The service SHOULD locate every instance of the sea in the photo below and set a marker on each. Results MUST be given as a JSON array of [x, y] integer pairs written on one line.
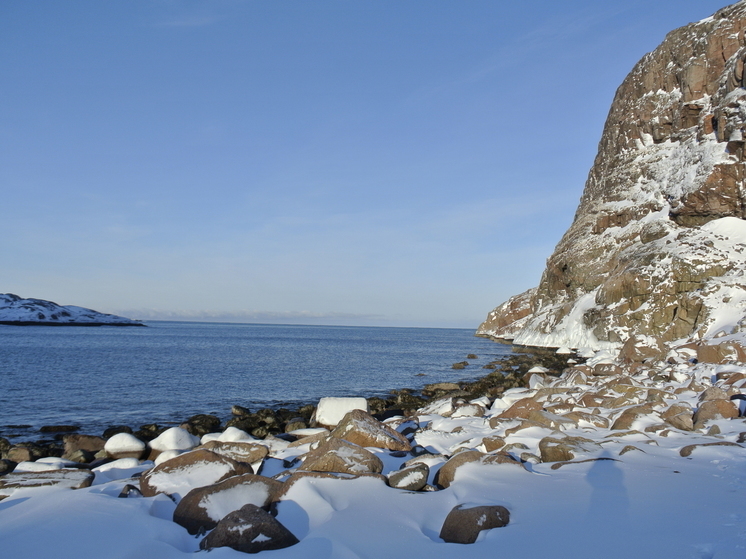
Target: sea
[[96, 377]]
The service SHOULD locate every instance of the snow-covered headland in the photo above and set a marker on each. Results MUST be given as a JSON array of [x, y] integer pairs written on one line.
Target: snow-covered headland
[[635, 457], [15, 310]]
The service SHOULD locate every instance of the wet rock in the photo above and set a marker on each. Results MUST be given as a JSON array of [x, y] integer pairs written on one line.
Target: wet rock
[[203, 507], [59, 428], [6, 466], [463, 523], [202, 424], [116, 429], [250, 530], [86, 443], [460, 365]]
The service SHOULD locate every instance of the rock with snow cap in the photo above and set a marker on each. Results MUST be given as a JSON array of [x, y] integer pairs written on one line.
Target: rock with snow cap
[[124, 445], [68, 478], [337, 455], [203, 507], [330, 411], [250, 453], [187, 471], [361, 428], [250, 530]]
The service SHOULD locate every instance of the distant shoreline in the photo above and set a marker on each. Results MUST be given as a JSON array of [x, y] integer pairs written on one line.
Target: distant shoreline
[[39, 323]]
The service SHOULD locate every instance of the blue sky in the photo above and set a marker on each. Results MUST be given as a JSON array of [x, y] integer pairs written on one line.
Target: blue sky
[[407, 163]]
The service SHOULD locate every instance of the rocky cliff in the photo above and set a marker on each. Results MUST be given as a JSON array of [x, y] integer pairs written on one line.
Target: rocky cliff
[[658, 243]]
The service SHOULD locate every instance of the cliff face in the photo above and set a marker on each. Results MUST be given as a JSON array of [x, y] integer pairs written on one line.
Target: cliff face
[[658, 242]]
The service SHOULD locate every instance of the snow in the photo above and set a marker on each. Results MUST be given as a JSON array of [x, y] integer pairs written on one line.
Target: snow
[[124, 442], [330, 411], [625, 494], [16, 309], [174, 438]]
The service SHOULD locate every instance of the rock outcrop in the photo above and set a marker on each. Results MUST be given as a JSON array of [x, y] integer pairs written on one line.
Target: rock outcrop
[[658, 243], [15, 310]]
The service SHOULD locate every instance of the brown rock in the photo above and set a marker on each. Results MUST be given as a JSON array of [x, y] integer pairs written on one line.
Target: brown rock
[[552, 421], [629, 416], [87, 443], [412, 478], [361, 428], [714, 409], [462, 525], [249, 453], [197, 468], [250, 530], [607, 370], [521, 409], [493, 443], [687, 450], [553, 449], [596, 420], [203, 507], [337, 455], [641, 349]]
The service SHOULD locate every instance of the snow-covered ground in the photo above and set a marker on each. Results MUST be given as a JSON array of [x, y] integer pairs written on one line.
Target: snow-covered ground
[[15, 309], [635, 486]]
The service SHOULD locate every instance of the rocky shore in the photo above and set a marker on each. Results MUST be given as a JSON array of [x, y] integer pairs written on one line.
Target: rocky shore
[[277, 479]]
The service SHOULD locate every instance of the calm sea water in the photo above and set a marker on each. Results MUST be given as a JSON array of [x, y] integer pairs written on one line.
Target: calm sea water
[[97, 377]]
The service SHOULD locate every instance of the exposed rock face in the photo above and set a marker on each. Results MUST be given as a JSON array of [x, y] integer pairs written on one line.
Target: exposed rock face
[[658, 242]]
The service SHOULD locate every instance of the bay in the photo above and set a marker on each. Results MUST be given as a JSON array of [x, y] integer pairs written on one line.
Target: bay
[[97, 377]]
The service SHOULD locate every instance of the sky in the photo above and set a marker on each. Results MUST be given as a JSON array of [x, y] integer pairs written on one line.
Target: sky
[[367, 162]]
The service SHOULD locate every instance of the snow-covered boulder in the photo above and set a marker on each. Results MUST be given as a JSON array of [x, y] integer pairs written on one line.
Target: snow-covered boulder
[[124, 445], [331, 410]]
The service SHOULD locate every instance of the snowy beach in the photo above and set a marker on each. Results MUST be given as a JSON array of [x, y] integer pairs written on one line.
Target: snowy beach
[[587, 463]]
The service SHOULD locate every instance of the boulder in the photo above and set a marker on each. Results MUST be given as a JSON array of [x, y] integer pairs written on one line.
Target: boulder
[[185, 472], [250, 530], [250, 453], [447, 472], [201, 424], [87, 443], [174, 438], [337, 455], [330, 411], [72, 479], [680, 416], [629, 416], [463, 523], [361, 428], [520, 409], [553, 449], [203, 507], [714, 409], [412, 478], [551, 421], [124, 445]]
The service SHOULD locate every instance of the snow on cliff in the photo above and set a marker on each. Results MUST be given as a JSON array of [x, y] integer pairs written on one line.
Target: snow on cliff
[[657, 244], [14, 309]]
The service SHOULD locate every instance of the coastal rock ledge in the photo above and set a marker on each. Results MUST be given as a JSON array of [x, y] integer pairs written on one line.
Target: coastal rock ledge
[[17, 311], [658, 244]]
